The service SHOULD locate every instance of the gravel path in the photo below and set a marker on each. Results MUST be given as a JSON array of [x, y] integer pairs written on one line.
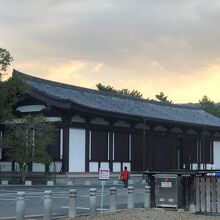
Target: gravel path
[[143, 214]]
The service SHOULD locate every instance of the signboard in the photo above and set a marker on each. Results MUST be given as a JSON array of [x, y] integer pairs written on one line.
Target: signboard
[[166, 184], [104, 174]]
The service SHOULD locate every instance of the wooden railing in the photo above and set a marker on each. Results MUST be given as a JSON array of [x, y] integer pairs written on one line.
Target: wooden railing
[[207, 194]]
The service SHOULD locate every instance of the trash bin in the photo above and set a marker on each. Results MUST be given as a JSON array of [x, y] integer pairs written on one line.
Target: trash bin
[[168, 190]]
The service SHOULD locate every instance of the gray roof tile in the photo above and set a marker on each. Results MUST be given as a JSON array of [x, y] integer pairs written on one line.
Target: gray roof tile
[[109, 102]]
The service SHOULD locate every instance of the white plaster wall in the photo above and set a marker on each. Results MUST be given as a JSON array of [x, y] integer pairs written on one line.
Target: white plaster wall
[[104, 165], [216, 149], [93, 166], [38, 167], [77, 118], [57, 167], [31, 108], [77, 150], [128, 165], [99, 121], [53, 119], [116, 167], [6, 166]]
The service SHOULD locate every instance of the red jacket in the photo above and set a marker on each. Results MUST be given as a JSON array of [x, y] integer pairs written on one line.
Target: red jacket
[[125, 174]]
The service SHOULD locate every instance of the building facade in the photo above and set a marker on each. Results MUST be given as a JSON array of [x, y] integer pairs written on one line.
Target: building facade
[[99, 129]]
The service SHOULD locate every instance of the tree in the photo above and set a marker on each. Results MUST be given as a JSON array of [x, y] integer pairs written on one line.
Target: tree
[[26, 141], [125, 92], [162, 98], [209, 106], [11, 90], [5, 61]]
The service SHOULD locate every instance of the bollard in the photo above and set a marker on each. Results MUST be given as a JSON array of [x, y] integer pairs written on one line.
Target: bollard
[[92, 201], [113, 199], [192, 208], [130, 197], [20, 206], [72, 203], [47, 204], [147, 197]]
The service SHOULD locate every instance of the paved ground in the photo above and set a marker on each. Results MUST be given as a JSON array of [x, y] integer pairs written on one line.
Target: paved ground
[[34, 199]]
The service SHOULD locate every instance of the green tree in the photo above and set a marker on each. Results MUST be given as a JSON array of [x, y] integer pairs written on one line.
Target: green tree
[[162, 98], [26, 141], [11, 90], [125, 92], [209, 106], [5, 61]]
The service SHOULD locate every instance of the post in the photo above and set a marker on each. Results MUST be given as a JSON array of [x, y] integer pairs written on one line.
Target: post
[[72, 203], [20, 206], [113, 199], [130, 204], [92, 201], [47, 204], [147, 197], [102, 196], [192, 197]]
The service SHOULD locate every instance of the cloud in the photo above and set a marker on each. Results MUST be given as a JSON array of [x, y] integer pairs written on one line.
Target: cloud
[[97, 67], [148, 45]]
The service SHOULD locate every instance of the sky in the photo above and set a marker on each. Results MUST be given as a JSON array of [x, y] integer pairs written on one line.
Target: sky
[[149, 45]]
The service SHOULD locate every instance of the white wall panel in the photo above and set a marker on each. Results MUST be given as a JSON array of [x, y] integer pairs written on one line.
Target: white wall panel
[[216, 149], [77, 118], [116, 167], [6, 166], [93, 166], [128, 165], [77, 150], [31, 108], [104, 165], [38, 167], [53, 119], [57, 167]]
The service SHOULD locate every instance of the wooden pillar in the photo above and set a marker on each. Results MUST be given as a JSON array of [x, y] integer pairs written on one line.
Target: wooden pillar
[[211, 147], [87, 149], [144, 147], [199, 152], [211, 151], [87, 142], [111, 151], [179, 152], [13, 166], [30, 166], [65, 162], [111, 124]]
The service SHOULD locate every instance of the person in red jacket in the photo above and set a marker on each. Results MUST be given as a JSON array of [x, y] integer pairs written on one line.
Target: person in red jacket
[[125, 174]]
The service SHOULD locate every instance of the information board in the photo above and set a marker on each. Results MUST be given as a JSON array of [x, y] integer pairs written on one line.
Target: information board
[[104, 174]]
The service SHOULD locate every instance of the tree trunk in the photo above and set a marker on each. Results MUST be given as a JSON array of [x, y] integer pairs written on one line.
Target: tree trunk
[[23, 171]]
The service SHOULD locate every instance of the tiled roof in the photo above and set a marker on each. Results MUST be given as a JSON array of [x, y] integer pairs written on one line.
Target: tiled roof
[[118, 104]]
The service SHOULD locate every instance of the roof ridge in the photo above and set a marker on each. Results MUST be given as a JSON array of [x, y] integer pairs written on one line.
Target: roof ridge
[[19, 74]]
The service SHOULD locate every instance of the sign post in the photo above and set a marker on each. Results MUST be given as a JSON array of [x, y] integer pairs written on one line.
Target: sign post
[[103, 175]]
